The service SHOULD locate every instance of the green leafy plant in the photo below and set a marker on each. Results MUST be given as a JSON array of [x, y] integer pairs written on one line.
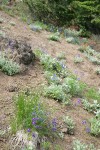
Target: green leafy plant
[[52, 64], [77, 145], [73, 86], [95, 126], [8, 66], [71, 33], [78, 59], [55, 37], [61, 56], [52, 78], [56, 92], [70, 125], [36, 28], [91, 107], [46, 145], [73, 40], [92, 93]]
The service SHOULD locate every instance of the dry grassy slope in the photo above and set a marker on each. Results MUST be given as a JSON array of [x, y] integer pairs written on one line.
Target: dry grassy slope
[[34, 77]]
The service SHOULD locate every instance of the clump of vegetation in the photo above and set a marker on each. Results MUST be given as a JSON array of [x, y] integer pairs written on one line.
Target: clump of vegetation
[[2, 34], [56, 92], [71, 33], [78, 59], [91, 107], [73, 40], [95, 126], [46, 145], [54, 37], [52, 78], [31, 115], [8, 66], [70, 125], [73, 86], [36, 28], [92, 93], [52, 64], [61, 56], [91, 54], [77, 145]]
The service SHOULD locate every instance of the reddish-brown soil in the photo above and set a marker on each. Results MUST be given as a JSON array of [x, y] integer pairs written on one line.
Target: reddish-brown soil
[[34, 78]]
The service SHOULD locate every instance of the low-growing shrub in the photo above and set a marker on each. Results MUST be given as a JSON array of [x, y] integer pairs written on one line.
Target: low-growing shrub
[[71, 33], [52, 64], [95, 126], [91, 107], [52, 78], [73, 86], [70, 125], [8, 66], [54, 37], [92, 93], [78, 59], [61, 56], [77, 145], [36, 28], [73, 40], [56, 92]]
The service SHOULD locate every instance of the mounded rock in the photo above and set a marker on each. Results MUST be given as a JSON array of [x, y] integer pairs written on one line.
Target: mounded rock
[[22, 52]]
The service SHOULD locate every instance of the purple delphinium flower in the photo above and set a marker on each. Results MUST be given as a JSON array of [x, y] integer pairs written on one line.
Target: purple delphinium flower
[[28, 130], [88, 130], [78, 78], [84, 122], [54, 121], [35, 119], [34, 122], [33, 135], [54, 129], [38, 127], [54, 124], [79, 101]]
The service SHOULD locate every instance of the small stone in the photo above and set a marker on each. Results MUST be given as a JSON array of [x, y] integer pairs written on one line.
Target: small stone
[[64, 130], [13, 88]]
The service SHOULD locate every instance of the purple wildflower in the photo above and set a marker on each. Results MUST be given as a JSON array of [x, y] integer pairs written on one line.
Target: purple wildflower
[[54, 121], [35, 119], [88, 130], [38, 127], [79, 101], [54, 129], [34, 122], [84, 122], [28, 130], [33, 135]]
